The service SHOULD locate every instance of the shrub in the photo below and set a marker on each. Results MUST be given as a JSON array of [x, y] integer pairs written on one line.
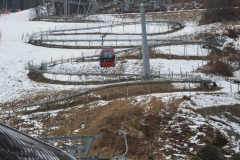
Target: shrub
[[150, 157], [232, 32], [186, 98], [230, 50], [218, 67], [217, 11], [210, 152], [146, 130]]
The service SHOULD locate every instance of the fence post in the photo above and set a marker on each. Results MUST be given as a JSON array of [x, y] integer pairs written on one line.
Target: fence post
[[230, 87], [107, 93]]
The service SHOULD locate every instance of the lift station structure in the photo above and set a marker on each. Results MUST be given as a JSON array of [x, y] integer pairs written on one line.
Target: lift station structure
[[66, 8], [153, 4]]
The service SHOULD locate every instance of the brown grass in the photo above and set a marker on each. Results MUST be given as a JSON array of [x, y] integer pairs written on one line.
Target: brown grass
[[144, 123], [107, 94], [171, 16], [218, 67], [38, 77]]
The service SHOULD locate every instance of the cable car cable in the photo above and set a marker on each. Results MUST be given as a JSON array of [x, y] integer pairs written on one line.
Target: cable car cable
[[125, 116]]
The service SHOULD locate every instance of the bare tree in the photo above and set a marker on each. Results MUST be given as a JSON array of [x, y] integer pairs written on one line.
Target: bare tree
[[217, 11]]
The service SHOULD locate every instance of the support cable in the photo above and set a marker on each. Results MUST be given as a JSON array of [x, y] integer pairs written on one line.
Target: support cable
[[124, 120]]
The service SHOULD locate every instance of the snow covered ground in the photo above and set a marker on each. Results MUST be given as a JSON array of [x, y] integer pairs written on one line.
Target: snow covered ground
[[15, 53]]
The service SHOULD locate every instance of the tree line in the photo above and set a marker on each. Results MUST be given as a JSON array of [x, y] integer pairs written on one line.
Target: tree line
[[220, 11], [216, 10], [18, 4]]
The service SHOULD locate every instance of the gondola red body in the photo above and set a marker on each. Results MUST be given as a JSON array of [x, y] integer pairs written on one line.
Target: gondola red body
[[107, 58]]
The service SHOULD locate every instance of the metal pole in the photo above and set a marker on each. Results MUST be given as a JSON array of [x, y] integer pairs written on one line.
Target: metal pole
[[54, 9], [65, 8], [107, 93], [230, 87], [103, 39], [146, 65], [68, 5], [6, 4]]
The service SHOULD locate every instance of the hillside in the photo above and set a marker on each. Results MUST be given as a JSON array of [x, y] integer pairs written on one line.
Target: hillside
[[187, 121]]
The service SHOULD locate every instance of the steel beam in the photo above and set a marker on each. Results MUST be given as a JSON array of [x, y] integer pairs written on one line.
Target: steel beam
[[145, 54]]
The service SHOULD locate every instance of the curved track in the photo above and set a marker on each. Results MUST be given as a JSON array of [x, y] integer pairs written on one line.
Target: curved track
[[137, 82], [91, 37], [50, 38]]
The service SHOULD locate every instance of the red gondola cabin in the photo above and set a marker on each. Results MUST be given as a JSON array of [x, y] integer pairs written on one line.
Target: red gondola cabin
[[107, 58]]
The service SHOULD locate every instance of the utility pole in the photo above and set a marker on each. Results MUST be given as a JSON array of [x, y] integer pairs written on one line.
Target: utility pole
[[146, 65], [6, 4], [103, 36]]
